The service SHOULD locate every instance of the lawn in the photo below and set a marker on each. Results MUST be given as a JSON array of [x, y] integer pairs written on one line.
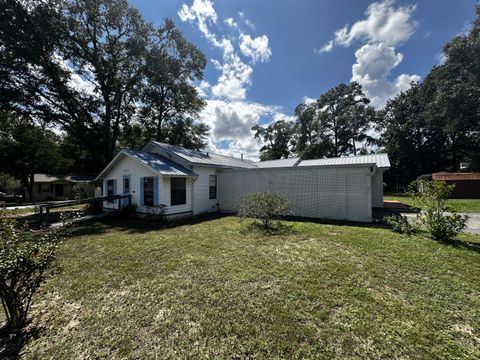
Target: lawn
[[460, 205], [129, 289]]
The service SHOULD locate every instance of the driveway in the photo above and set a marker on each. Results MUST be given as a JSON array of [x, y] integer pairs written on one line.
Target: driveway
[[473, 222]]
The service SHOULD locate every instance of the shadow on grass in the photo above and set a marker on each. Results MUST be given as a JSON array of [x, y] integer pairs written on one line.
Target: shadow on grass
[[277, 228], [11, 345], [131, 225], [462, 244]]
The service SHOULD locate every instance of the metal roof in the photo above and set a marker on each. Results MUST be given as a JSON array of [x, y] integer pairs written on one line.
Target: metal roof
[[159, 164], [277, 163], [70, 178], [380, 160], [205, 158], [455, 176]]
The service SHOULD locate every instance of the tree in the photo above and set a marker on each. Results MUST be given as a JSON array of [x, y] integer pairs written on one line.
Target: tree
[[335, 124], [277, 137], [26, 149], [413, 144], [9, 183], [91, 67], [170, 99]]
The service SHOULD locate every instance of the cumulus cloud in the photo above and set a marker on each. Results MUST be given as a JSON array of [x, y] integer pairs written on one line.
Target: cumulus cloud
[[372, 69], [384, 23], [228, 112], [325, 48], [231, 123], [255, 48]]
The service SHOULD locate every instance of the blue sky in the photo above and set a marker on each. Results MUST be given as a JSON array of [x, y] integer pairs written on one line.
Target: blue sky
[[265, 57]]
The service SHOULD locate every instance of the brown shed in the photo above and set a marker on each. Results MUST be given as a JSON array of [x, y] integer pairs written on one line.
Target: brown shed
[[467, 185]]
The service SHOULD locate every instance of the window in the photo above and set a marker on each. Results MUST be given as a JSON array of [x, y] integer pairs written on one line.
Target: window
[[212, 187], [110, 187], [148, 191], [126, 185], [43, 188], [178, 191]]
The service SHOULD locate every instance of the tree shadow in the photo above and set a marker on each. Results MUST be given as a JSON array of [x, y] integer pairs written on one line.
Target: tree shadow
[[276, 229], [462, 244], [11, 345]]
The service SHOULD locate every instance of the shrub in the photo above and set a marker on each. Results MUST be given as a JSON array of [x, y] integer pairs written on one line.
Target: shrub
[[400, 224], [441, 221], [25, 258], [265, 207]]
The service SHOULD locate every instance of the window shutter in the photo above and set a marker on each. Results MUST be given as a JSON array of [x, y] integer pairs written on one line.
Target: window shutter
[[141, 191], [155, 191], [104, 187], [115, 187]]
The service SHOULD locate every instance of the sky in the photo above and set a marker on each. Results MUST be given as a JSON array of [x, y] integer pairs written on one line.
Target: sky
[[266, 57]]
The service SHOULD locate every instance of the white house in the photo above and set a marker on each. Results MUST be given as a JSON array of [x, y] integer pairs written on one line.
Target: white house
[[188, 182]]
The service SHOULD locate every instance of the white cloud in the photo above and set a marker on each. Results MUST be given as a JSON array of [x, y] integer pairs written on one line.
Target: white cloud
[[202, 12], [372, 69], [325, 48], [228, 112], [231, 122], [384, 23], [234, 79], [231, 23], [308, 100], [255, 48]]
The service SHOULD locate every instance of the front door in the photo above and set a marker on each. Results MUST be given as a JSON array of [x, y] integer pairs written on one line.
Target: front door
[[58, 190]]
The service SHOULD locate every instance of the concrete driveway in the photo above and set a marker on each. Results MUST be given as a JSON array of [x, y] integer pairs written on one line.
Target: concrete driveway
[[473, 222]]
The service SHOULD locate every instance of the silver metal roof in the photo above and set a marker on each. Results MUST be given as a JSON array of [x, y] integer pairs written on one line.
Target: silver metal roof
[[70, 178], [277, 163], [159, 164], [204, 158], [381, 161]]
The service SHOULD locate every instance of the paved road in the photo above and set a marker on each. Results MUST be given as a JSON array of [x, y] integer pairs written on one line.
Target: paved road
[[473, 222]]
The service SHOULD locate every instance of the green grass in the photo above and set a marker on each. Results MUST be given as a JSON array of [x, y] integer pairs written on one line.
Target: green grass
[[460, 205], [129, 289]]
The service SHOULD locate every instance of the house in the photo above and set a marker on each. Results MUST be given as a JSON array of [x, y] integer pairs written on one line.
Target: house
[[467, 184], [60, 187], [178, 181]]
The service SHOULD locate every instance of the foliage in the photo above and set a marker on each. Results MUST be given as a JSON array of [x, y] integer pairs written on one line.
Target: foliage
[[277, 137], [26, 149], [94, 67], [9, 183], [435, 125], [335, 124], [25, 259], [82, 190], [265, 207], [401, 225], [441, 221]]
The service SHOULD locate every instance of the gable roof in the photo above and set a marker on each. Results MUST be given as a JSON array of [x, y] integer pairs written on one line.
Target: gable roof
[[70, 177], [152, 161], [205, 158]]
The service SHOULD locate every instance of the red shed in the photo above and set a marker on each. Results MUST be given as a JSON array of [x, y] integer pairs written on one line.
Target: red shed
[[467, 185]]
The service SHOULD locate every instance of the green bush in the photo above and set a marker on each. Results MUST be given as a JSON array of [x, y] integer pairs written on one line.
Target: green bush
[[25, 258], [442, 222], [265, 207], [400, 224]]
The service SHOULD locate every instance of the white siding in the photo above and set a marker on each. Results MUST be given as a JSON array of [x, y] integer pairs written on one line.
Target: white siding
[[201, 191], [377, 189], [136, 171], [342, 193], [165, 196]]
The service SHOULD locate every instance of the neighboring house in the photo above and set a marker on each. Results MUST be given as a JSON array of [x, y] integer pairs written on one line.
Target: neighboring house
[[186, 182], [60, 187], [467, 185]]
